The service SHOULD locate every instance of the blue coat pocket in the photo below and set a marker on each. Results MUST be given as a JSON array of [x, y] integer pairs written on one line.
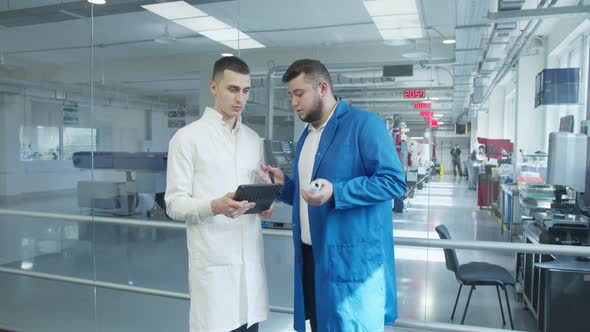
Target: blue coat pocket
[[354, 262]]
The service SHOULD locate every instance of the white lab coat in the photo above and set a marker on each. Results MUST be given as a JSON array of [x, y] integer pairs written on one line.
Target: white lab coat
[[227, 278]]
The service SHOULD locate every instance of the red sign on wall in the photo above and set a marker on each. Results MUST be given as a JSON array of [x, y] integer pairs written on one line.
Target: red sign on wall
[[421, 105], [414, 94]]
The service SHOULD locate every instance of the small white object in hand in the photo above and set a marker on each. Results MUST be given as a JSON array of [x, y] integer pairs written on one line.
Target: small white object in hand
[[314, 187]]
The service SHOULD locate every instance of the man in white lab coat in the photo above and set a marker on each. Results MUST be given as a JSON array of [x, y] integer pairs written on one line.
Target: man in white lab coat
[[207, 159]]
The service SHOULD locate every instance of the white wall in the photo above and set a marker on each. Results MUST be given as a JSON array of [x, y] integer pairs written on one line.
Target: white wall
[[124, 126], [530, 121], [483, 124], [19, 177], [496, 114], [491, 123]]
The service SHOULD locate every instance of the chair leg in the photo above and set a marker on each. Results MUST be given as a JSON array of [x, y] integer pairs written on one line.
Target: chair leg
[[508, 306], [501, 309], [467, 304], [456, 301]]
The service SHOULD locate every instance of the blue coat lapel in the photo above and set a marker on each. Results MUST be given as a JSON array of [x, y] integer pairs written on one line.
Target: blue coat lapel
[[328, 137]]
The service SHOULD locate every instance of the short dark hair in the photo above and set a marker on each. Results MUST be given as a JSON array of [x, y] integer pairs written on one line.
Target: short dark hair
[[232, 63], [315, 72]]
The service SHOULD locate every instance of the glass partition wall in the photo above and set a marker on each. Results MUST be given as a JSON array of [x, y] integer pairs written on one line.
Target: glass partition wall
[[91, 94]]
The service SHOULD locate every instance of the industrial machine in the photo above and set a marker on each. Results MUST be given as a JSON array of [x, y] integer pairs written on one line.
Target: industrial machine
[[280, 154], [556, 287]]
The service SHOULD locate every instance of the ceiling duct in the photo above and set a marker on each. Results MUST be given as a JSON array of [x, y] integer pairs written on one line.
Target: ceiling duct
[[478, 88], [468, 51], [505, 5], [501, 38]]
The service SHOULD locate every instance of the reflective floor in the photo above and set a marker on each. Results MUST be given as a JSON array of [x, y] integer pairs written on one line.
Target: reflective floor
[[153, 258]]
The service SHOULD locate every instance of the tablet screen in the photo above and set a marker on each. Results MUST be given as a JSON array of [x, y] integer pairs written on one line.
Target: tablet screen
[[261, 194]]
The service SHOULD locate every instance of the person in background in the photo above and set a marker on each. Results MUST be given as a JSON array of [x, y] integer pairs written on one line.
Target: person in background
[[207, 159], [476, 159], [342, 232], [456, 158]]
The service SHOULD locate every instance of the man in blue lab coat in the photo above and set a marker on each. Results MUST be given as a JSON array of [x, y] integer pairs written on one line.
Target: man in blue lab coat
[[343, 232]]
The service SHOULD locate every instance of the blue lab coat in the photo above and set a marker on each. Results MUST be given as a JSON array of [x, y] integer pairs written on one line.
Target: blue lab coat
[[352, 236]]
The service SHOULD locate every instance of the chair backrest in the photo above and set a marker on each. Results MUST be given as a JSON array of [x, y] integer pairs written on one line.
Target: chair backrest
[[450, 255]]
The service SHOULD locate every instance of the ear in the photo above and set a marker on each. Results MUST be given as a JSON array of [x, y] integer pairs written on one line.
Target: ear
[[213, 88], [324, 87]]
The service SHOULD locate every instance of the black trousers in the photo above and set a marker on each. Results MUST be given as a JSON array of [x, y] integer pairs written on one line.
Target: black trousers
[[309, 286], [243, 328], [457, 164]]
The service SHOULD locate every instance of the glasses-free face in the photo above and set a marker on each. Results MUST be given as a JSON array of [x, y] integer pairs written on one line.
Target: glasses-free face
[[231, 92], [306, 98]]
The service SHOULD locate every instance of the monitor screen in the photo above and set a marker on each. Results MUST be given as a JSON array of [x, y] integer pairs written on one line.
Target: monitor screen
[[277, 146], [398, 70], [566, 124], [460, 129]]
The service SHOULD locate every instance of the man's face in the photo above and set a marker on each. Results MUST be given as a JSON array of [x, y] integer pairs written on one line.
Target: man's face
[[305, 99], [231, 91], [482, 150]]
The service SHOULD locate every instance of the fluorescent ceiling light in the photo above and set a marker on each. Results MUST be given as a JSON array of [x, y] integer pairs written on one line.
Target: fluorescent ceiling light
[[205, 23], [405, 33], [399, 42], [242, 44], [174, 10], [192, 18], [225, 34], [434, 98], [390, 7], [397, 21], [449, 41], [437, 116], [97, 2], [440, 123], [227, 54]]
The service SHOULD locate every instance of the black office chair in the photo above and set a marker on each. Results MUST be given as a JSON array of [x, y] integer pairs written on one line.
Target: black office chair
[[477, 274]]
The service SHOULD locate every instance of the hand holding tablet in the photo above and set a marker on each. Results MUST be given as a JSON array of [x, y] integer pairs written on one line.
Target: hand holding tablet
[[261, 194]]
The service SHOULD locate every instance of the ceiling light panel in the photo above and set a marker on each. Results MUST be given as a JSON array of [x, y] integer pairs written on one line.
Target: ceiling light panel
[[192, 18], [243, 44], [206, 23], [225, 34], [390, 7], [397, 21], [174, 10]]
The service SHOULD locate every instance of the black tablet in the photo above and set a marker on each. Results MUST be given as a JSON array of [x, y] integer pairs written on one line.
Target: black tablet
[[261, 194]]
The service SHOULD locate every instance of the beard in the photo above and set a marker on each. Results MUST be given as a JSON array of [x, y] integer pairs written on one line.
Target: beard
[[315, 113]]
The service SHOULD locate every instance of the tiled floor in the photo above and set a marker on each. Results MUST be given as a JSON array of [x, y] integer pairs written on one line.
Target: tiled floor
[[157, 259]]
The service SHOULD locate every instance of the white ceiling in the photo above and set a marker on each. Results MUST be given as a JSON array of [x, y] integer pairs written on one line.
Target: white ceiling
[[310, 25]]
